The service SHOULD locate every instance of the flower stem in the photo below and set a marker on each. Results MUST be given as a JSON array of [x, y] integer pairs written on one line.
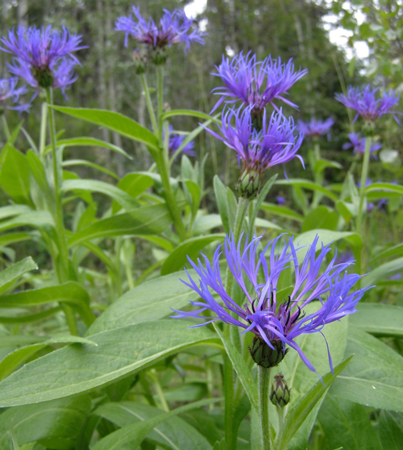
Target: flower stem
[[149, 103], [63, 272], [162, 165], [263, 390], [42, 136], [5, 126], [160, 83], [364, 176], [318, 176]]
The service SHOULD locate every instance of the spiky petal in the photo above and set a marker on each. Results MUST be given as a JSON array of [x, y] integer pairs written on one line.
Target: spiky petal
[[176, 140], [10, 95], [366, 103], [357, 142], [271, 319], [256, 83], [315, 127]]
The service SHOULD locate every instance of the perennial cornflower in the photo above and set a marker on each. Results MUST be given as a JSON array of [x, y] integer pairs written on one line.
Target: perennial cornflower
[[276, 143], [173, 28], [43, 57], [315, 127], [10, 95], [280, 200], [365, 102], [255, 83], [358, 144], [176, 140], [275, 322]]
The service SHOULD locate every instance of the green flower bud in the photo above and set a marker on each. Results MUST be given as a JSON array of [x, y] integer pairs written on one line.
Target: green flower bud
[[249, 184], [265, 356], [140, 62], [158, 56], [44, 77], [369, 128], [280, 394]]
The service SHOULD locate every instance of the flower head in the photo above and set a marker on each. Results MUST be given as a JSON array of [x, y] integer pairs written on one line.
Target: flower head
[[280, 200], [315, 127], [173, 28], [276, 322], [255, 83], [10, 94], [276, 143], [43, 57], [176, 140], [365, 102], [358, 144]]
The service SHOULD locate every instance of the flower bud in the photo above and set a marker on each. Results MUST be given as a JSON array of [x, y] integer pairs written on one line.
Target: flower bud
[[158, 56], [280, 394], [249, 184], [139, 61], [265, 356]]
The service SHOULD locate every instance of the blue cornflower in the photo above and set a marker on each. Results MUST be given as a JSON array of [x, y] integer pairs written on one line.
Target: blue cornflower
[[358, 143], [280, 200], [365, 102], [10, 94], [275, 322], [276, 143], [176, 140], [255, 83], [173, 28], [315, 127], [43, 57]]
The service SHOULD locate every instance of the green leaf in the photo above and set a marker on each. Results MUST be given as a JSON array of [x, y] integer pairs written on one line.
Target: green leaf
[[10, 275], [186, 112], [15, 175], [173, 432], [396, 250], [70, 292], [383, 272], [88, 142], [135, 433], [346, 210], [391, 430], [121, 197], [119, 353], [193, 195], [83, 162], [241, 369], [321, 217], [282, 211], [189, 248], [56, 424], [10, 238], [308, 185], [135, 306], [145, 220], [42, 220], [374, 377], [327, 237], [134, 184], [384, 187], [322, 164], [19, 356], [297, 415], [221, 198], [113, 121], [205, 223], [302, 379], [347, 424], [13, 210], [378, 319]]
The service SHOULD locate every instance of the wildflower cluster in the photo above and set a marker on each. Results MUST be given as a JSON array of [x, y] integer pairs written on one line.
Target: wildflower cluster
[[173, 28], [43, 57], [275, 322]]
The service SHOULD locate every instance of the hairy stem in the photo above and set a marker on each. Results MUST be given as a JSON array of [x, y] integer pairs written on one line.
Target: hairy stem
[[364, 176], [263, 389], [149, 103], [63, 272]]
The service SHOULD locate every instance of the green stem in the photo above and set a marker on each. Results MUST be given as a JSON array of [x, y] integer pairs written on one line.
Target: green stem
[[58, 216], [318, 176], [364, 176], [5, 126], [42, 136], [280, 414], [230, 436], [149, 103], [160, 87], [158, 390], [263, 390], [162, 165]]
